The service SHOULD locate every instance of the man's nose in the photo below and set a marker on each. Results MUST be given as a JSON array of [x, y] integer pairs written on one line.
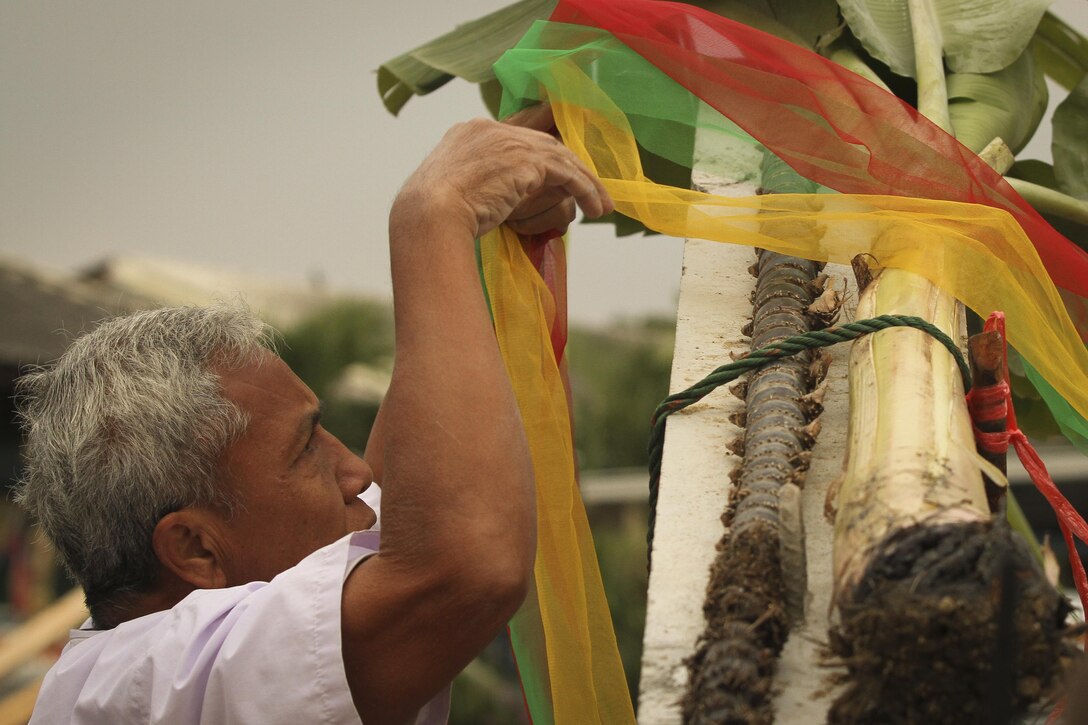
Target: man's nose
[[353, 474]]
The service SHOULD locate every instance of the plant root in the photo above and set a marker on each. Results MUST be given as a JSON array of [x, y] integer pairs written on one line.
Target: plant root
[[950, 623]]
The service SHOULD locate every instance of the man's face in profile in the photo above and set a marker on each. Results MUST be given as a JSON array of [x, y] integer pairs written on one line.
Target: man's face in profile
[[296, 483]]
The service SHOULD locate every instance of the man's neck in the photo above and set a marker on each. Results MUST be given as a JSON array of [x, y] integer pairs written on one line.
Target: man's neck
[[167, 592]]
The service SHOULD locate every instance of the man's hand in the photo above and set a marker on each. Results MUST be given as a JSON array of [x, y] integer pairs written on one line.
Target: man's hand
[[550, 210], [484, 173]]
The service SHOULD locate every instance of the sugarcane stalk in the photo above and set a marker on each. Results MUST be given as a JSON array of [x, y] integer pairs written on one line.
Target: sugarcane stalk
[[757, 581]]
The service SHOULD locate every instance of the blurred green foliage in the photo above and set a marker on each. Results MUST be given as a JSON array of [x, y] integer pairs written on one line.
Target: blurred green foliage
[[619, 536], [618, 376], [323, 345], [344, 332], [488, 691]]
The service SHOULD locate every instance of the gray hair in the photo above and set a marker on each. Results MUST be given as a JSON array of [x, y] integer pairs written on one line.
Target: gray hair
[[126, 426]]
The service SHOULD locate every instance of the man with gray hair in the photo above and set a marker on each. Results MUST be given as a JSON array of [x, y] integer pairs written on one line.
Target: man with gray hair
[[230, 563]]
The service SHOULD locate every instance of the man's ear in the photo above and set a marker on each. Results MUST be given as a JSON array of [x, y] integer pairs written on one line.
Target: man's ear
[[187, 545]]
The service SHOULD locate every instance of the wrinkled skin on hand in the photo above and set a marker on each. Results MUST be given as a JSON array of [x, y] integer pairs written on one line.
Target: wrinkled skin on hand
[[484, 172]]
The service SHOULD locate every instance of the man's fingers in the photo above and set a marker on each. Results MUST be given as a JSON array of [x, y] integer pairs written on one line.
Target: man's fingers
[[607, 204], [568, 172], [564, 168], [538, 118], [540, 201], [557, 217], [514, 172]]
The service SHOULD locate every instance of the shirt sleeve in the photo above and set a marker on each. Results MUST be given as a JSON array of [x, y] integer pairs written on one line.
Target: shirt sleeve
[[260, 653]]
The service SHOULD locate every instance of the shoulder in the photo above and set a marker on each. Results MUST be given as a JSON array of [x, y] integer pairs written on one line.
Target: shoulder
[[181, 665]]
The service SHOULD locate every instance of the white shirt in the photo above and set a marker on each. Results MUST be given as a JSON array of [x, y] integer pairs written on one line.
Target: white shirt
[[265, 652]]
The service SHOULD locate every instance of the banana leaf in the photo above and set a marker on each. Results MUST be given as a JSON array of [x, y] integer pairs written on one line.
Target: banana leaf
[[1070, 142], [1042, 173], [977, 37], [1035, 171], [802, 22], [1009, 103], [1061, 51], [471, 49], [468, 52]]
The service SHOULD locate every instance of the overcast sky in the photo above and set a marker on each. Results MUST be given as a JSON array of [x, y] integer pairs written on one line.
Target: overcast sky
[[249, 135]]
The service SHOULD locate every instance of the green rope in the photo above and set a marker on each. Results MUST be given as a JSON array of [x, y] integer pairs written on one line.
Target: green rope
[[758, 358]]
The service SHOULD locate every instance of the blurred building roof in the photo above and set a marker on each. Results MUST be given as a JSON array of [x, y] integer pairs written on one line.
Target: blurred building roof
[[181, 283], [43, 312]]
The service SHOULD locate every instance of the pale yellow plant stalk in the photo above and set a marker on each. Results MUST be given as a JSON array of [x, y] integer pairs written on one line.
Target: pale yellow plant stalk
[[910, 452]]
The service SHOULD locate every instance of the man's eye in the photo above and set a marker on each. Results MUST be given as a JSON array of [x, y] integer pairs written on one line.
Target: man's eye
[[311, 444]]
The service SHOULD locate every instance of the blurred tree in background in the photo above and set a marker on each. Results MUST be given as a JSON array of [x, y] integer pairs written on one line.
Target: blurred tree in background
[[325, 349], [618, 376]]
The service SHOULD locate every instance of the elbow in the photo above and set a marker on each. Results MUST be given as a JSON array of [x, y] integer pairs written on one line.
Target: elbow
[[504, 575], [500, 547], [496, 579], [509, 588]]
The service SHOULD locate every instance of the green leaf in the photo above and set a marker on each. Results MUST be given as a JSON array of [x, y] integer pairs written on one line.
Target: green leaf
[[846, 51], [468, 52], [802, 22], [1071, 230], [977, 37], [661, 170], [1067, 214], [1070, 144], [1009, 103], [1061, 51], [491, 94], [1035, 171], [777, 177]]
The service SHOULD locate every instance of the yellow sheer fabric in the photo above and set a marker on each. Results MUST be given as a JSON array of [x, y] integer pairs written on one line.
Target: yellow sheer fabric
[[584, 675], [977, 253]]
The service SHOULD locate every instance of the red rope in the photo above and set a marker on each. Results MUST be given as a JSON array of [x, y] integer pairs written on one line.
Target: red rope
[[985, 402], [988, 404]]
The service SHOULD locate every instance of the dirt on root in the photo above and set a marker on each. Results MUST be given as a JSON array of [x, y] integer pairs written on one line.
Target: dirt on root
[[949, 624], [732, 670]]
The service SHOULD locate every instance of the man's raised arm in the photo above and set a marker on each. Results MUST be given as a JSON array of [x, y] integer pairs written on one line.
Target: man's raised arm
[[458, 515]]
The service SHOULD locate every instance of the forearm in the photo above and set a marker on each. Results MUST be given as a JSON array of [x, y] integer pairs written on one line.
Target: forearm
[[455, 458]]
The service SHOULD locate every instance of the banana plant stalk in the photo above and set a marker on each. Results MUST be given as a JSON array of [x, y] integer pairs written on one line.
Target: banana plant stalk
[[910, 455], [1051, 201], [918, 554], [909, 422]]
